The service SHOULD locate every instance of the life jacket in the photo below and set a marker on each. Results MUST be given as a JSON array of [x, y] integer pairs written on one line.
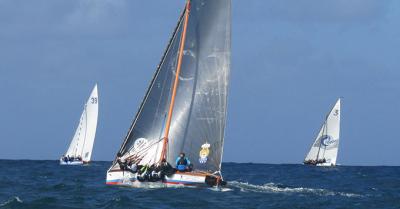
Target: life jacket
[[182, 161]]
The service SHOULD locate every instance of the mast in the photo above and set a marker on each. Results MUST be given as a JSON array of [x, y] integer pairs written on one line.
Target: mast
[[326, 135], [84, 140], [320, 141], [176, 82]]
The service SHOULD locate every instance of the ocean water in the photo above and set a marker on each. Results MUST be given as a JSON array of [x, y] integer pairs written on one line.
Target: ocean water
[[45, 184]]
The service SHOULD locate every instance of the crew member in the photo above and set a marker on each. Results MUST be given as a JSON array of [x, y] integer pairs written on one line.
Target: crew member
[[182, 163], [121, 162]]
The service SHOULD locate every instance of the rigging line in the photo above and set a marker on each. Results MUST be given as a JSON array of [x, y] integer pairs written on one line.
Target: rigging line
[[226, 81], [320, 139], [75, 150], [324, 130], [326, 134], [138, 157], [142, 150], [84, 140], [176, 82], [148, 145], [160, 136], [326, 127], [315, 142]]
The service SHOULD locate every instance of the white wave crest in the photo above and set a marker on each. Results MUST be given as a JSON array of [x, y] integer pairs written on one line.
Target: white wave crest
[[273, 188], [15, 198], [220, 189]]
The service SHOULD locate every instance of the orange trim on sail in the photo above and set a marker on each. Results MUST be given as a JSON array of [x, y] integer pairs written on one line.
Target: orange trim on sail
[[176, 82]]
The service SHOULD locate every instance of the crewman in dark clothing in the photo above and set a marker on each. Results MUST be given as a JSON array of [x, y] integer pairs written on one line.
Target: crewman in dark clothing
[[122, 163], [165, 169]]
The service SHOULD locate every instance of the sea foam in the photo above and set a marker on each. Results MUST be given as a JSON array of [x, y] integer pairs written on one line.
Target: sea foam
[[274, 188], [14, 199]]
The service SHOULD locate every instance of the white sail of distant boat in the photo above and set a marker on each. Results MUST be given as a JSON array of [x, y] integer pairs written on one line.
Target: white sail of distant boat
[[80, 148], [184, 109], [324, 150]]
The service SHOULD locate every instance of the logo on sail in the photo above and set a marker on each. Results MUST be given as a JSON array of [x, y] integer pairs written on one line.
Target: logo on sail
[[327, 140], [139, 143], [204, 152]]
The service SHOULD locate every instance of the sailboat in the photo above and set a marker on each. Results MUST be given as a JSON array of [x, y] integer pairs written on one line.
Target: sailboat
[[324, 150], [184, 109], [80, 150]]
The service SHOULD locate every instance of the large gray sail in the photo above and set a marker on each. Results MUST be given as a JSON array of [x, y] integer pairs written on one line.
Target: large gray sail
[[199, 117], [199, 111]]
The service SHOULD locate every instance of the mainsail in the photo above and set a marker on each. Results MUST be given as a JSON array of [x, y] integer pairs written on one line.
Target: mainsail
[[82, 142], [200, 101], [326, 144]]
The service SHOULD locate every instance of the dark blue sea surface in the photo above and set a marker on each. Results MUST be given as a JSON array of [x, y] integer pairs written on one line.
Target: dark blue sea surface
[[45, 184]]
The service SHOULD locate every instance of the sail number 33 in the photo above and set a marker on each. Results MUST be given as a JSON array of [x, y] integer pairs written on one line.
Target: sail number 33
[[94, 100]]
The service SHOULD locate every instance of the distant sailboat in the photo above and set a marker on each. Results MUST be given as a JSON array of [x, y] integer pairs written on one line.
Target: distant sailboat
[[324, 150], [184, 109], [80, 149]]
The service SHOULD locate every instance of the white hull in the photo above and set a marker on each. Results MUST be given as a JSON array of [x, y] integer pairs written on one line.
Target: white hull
[[71, 163], [325, 165], [187, 179]]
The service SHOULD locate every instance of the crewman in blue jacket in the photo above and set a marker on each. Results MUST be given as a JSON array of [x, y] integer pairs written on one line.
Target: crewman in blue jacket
[[183, 163]]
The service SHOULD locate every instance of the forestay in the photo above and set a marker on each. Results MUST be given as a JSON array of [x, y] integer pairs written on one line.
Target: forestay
[[199, 114], [326, 143]]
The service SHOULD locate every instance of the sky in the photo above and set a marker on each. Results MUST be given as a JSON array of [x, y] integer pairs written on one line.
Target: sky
[[290, 61]]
